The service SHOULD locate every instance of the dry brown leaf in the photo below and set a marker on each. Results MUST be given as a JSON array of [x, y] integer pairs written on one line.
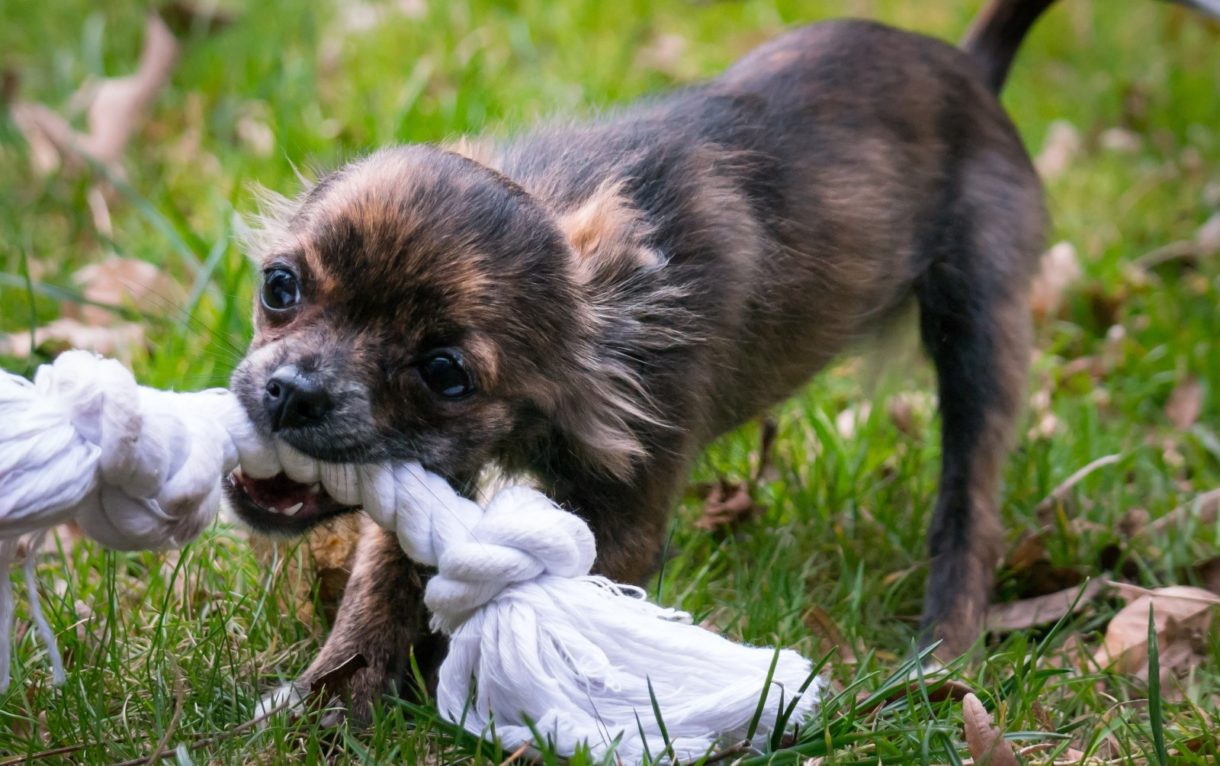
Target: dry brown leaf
[[1029, 551], [1185, 403], [1208, 573], [983, 737], [1208, 236], [936, 686], [1061, 147], [1041, 610], [185, 17], [1180, 614], [359, 17], [118, 106], [121, 103], [1060, 493], [1058, 269], [909, 411], [1202, 509], [126, 282], [847, 421], [1120, 140], [821, 624], [330, 546], [1133, 522], [1205, 243], [1067, 757], [726, 504], [666, 53], [60, 335], [1029, 571]]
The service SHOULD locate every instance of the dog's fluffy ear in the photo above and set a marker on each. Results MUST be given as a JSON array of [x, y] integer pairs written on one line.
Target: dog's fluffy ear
[[258, 233], [607, 235], [609, 408]]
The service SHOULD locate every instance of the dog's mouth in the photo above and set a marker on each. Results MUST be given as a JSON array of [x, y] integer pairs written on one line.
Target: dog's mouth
[[280, 504]]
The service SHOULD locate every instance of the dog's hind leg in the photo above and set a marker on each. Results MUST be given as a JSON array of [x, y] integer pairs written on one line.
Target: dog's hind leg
[[975, 324]]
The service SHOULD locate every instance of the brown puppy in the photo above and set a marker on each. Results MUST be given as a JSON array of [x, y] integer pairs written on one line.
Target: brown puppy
[[592, 305]]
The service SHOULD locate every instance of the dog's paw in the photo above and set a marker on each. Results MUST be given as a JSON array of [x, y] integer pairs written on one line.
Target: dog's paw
[[287, 699]]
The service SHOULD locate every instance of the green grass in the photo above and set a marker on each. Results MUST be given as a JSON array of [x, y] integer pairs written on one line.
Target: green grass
[[180, 646]]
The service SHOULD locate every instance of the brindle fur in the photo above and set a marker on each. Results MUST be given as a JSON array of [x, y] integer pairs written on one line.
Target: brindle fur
[[629, 289]]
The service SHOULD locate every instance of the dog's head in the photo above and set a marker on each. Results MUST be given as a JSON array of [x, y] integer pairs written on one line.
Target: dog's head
[[417, 305]]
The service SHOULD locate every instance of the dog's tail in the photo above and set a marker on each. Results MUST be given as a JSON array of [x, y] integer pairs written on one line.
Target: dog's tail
[[997, 32]]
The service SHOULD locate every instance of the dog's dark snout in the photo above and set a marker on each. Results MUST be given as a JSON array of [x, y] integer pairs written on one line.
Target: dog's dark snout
[[294, 399]]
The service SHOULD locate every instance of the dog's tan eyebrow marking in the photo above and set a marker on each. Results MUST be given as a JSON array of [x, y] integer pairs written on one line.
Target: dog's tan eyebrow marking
[[483, 351], [283, 258]]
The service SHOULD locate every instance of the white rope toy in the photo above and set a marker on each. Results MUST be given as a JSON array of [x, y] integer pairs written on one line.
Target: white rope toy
[[533, 637]]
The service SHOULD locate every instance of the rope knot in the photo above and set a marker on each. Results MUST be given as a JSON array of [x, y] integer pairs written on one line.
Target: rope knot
[[136, 467], [521, 537]]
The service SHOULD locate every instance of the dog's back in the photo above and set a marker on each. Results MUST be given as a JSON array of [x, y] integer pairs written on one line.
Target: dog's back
[[798, 197]]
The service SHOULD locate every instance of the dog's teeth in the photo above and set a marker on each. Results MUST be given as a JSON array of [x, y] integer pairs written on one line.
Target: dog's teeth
[[292, 509], [315, 488]]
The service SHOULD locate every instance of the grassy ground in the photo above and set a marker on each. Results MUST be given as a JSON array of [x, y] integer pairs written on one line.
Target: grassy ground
[[179, 647]]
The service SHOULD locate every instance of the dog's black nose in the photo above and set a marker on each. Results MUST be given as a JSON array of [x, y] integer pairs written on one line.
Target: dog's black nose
[[294, 399]]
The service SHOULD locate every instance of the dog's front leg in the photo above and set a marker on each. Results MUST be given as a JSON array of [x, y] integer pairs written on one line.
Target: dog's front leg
[[381, 618]]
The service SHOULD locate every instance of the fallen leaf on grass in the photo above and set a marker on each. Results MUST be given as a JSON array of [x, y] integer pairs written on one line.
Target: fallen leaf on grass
[[821, 624], [1208, 573], [1185, 403], [1042, 610], [184, 17], [1029, 551], [332, 546], [1181, 615], [1059, 494], [59, 335], [127, 282], [1202, 509], [1058, 270], [1069, 756], [1205, 243], [117, 108], [910, 411], [847, 421], [359, 17], [1061, 147], [726, 504], [666, 53], [1208, 236], [1028, 571], [983, 737], [936, 686], [1120, 140], [115, 282]]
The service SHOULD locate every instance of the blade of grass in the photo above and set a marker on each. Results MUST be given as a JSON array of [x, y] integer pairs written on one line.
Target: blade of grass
[[1156, 714], [762, 700]]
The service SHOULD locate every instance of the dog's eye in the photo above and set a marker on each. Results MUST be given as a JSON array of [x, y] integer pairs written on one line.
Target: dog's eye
[[445, 374], [280, 290]]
